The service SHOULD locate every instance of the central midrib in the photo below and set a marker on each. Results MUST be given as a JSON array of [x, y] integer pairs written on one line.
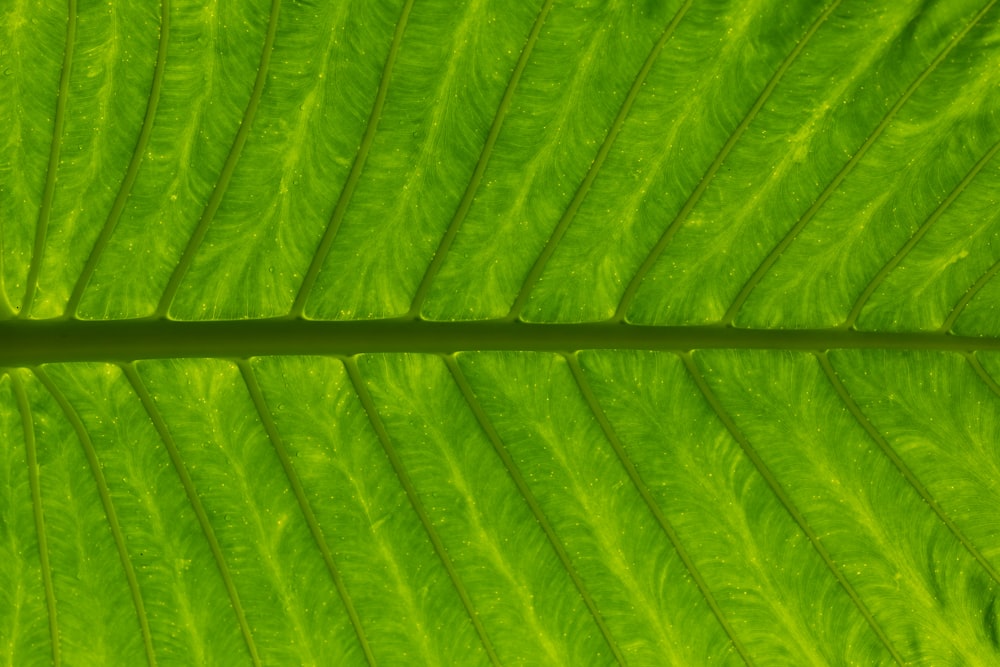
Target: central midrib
[[24, 343]]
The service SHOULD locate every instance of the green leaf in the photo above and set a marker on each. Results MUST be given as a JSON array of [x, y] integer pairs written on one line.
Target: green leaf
[[556, 333]]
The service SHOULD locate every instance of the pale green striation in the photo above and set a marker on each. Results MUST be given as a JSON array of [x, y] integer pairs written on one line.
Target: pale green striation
[[417, 332]]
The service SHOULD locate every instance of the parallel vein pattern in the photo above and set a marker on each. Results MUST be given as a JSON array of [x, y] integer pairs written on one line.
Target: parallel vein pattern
[[904, 470], [595, 166], [858, 155], [545, 212], [682, 215]]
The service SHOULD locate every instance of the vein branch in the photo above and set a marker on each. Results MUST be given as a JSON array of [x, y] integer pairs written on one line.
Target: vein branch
[[114, 215], [351, 365], [983, 374], [970, 294], [477, 175], [901, 466], [189, 489], [109, 508], [876, 281], [267, 420], [226, 175], [31, 458], [682, 215], [595, 167], [786, 502], [616, 444], [529, 498], [848, 167], [48, 193], [364, 148]]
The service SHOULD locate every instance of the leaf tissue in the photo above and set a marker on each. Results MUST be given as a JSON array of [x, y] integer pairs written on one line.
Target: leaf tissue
[[555, 332]]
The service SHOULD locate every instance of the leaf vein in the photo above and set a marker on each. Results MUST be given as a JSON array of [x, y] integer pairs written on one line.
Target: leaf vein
[[189, 489], [48, 193], [267, 420], [786, 502], [827, 192], [226, 175], [521, 300], [31, 458], [351, 365], [529, 498], [108, 505], [360, 158], [633, 286], [970, 294], [477, 175], [983, 374], [654, 507], [900, 465], [132, 172], [852, 317]]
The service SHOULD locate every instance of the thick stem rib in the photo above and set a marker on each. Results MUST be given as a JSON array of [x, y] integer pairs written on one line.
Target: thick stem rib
[[27, 343]]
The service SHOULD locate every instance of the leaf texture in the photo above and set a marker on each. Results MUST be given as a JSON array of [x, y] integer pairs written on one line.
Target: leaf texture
[[544, 333]]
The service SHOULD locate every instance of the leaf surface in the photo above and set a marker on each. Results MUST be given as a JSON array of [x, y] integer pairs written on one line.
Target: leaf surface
[[396, 332]]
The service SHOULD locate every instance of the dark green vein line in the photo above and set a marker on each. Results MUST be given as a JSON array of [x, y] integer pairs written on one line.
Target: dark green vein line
[[418, 507], [226, 175], [595, 167], [983, 373], [360, 158], [31, 459], [109, 508], [960, 305], [793, 233], [175, 457], [852, 317], [786, 501], [668, 234], [133, 167], [901, 466], [264, 412], [42, 225], [43, 341], [477, 175], [536, 509], [654, 507]]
